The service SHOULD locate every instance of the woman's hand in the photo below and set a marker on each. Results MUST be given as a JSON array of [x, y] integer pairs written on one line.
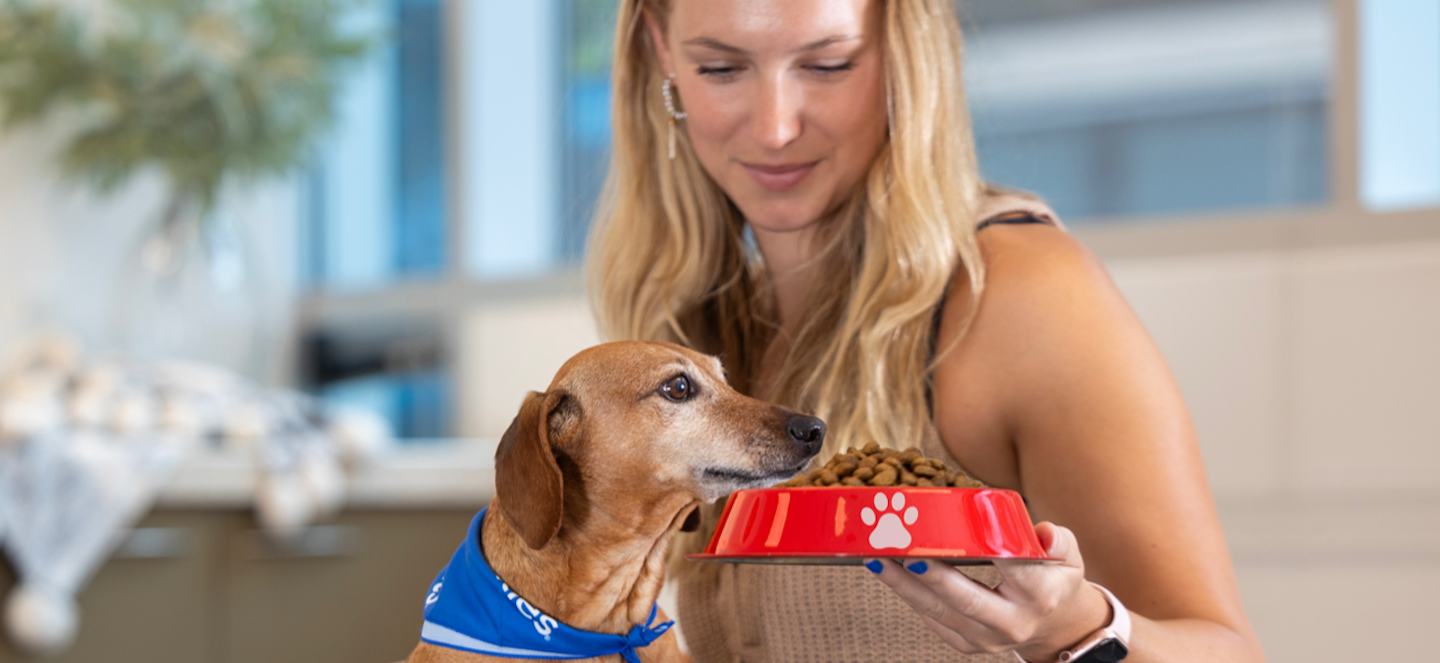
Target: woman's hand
[[1038, 610]]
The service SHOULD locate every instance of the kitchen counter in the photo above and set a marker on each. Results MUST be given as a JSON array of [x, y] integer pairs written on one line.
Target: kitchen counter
[[198, 581], [418, 475]]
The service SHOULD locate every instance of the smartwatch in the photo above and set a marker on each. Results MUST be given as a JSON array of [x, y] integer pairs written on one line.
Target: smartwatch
[[1107, 645]]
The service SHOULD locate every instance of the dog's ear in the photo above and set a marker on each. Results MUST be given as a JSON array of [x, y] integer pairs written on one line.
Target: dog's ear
[[692, 521], [527, 478]]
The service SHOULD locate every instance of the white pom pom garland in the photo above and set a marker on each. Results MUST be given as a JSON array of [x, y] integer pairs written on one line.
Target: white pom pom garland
[[40, 619]]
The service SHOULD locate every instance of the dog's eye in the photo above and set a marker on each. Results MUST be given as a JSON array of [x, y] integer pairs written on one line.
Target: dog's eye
[[677, 388]]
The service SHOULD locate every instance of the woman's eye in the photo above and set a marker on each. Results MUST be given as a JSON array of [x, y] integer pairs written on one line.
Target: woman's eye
[[829, 69], [677, 388], [721, 73]]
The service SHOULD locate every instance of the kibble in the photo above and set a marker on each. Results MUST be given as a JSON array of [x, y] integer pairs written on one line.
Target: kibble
[[884, 478], [872, 466]]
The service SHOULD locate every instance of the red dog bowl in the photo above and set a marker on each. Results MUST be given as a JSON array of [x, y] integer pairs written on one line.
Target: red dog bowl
[[845, 525]]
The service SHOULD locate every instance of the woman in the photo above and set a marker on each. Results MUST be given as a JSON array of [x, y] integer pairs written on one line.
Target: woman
[[794, 187]]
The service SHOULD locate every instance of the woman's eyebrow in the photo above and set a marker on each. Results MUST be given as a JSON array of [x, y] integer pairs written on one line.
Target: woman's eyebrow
[[835, 39], [711, 42]]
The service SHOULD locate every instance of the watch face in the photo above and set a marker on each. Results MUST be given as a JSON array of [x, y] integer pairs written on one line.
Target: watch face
[[1109, 650]]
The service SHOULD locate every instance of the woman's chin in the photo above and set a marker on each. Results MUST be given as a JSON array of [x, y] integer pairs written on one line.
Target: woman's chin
[[788, 212], [781, 218]]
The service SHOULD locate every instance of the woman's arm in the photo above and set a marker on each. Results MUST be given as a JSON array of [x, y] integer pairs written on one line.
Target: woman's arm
[[1058, 391]]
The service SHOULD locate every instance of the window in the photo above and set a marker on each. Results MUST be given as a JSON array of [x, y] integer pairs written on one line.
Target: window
[[508, 92], [470, 149], [1399, 103], [1118, 108], [379, 213], [589, 47], [378, 196], [395, 370]]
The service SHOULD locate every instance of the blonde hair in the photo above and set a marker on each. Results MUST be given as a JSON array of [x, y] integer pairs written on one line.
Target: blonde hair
[[669, 259]]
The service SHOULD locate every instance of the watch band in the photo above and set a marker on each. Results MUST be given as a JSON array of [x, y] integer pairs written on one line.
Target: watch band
[[1120, 623], [1107, 645]]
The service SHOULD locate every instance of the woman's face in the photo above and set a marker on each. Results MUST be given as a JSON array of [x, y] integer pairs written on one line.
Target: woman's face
[[785, 98]]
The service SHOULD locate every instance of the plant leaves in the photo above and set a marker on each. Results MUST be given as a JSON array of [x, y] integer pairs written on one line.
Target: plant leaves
[[204, 90]]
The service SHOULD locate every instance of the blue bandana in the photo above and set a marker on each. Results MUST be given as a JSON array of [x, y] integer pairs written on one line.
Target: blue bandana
[[471, 609]]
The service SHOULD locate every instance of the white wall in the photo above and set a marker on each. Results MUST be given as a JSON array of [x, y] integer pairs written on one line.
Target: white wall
[[1310, 373], [1314, 380], [510, 349], [64, 248]]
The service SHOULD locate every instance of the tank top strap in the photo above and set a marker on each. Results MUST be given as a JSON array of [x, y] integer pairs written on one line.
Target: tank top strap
[[1005, 203], [1012, 220], [998, 208]]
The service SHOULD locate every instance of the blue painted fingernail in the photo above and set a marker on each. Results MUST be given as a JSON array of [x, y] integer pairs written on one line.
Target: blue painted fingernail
[[918, 567], [874, 566]]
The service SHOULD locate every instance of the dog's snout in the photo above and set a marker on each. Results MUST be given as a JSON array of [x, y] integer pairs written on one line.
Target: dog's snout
[[808, 432]]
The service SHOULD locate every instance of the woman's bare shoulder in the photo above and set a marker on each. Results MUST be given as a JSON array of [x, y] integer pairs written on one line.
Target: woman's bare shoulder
[[1037, 260], [1050, 322], [1050, 310], [1044, 291]]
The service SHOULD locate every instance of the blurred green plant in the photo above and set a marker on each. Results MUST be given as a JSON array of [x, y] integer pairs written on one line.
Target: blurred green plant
[[204, 89], [592, 38]]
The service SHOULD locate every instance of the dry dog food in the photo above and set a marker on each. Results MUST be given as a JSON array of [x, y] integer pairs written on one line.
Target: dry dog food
[[873, 466]]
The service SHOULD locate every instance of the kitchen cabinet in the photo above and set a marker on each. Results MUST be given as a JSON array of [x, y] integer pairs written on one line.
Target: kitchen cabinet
[[219, 591], [198, 582]]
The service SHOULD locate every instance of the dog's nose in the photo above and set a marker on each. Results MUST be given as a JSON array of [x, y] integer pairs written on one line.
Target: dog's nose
[[809, 432]]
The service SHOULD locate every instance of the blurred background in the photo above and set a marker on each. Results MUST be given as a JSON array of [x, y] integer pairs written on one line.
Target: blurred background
[[1261, 178]]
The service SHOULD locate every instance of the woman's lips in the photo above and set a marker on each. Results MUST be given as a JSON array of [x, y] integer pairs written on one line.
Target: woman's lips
[[780, 177]]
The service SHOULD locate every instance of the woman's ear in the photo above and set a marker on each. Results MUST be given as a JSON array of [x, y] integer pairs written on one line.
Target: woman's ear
[[662, 47], [529, 488]]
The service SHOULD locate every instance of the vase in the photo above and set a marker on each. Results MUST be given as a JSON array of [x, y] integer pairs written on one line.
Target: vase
[[188, 291]]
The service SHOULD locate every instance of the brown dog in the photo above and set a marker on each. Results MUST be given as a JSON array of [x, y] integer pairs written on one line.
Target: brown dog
[[596, 475]]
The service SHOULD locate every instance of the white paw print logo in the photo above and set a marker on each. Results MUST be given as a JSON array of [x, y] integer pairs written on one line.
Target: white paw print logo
[[890, 533]]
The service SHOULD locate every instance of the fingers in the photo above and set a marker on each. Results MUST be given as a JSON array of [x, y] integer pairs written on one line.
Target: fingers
[[1028, 580], [951, 637], [949, 600], [974, 618], [1060, 542], [935, 588], [952, 627]]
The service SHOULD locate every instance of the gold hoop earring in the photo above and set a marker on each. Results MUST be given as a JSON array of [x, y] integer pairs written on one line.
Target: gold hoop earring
[[670, 109]]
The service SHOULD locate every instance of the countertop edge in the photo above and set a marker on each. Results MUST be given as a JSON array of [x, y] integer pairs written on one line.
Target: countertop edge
[[458, 475]]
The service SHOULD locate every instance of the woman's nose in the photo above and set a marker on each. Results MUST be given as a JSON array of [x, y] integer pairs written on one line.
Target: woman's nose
[[775, 121]]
